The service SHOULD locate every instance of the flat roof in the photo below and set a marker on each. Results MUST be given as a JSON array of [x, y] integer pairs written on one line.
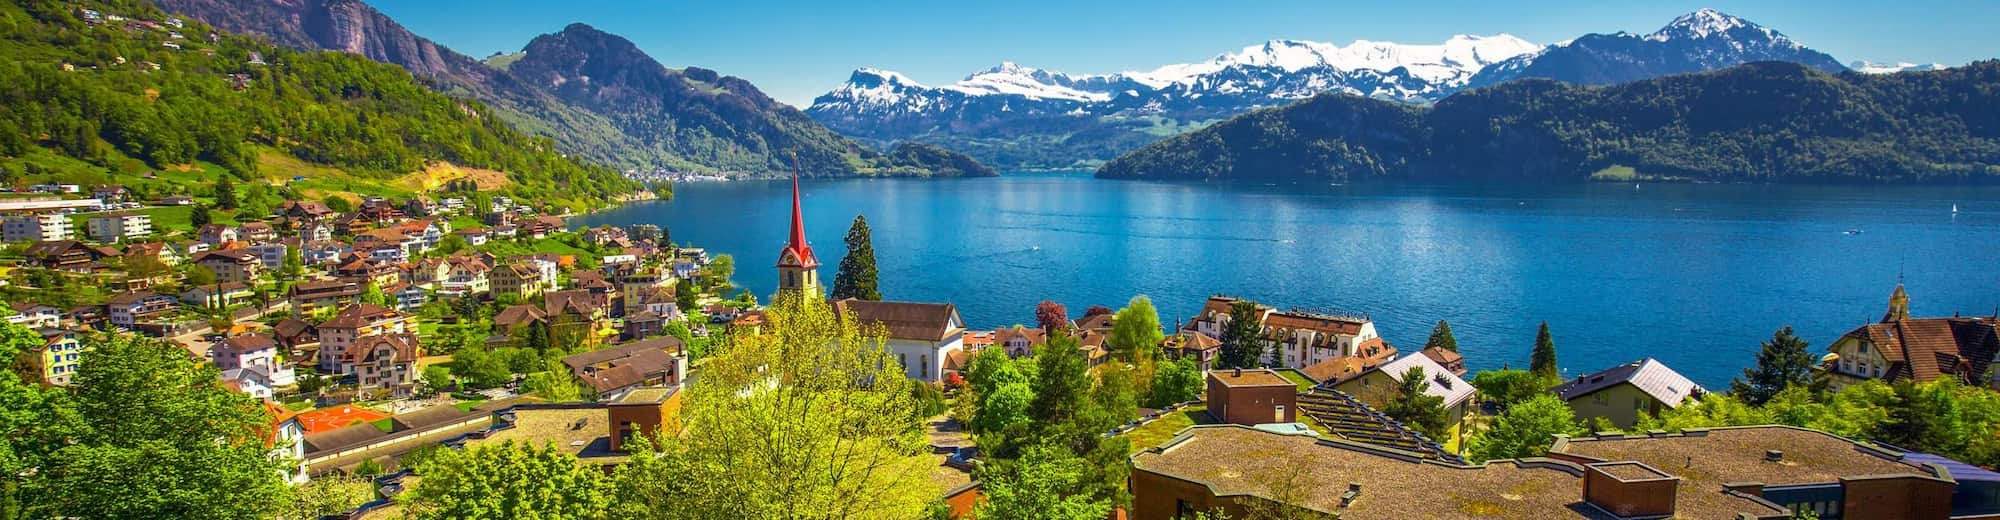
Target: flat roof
[[648, 395], [1234, 460], [583, 432], [1250, 377], [1707, 459]]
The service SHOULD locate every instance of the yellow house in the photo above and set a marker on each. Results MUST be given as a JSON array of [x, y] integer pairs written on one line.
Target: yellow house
[[57, 358], [1376, 387], [1917, 349], [1622, 392]]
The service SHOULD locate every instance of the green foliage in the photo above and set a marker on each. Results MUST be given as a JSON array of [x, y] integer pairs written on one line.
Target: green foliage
[[145, 433], [369, 468], [371, 120], [199, 216], [1176, 381], [1135, 331], [1543, 362], [1760, 122], [1412, 406], [328, 494], [555, 384], [1783, 361], [1525, 430], [858, 277], [1441, 337], [372, 294], [1242, 337], [338, 203], [1709, 411], [1040, 486], [477, 368], [1506, 388], [507, 481]]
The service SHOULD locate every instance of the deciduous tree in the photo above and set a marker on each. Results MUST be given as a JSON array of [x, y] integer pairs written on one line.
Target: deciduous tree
[[1051, 316], [1040, 486], [510, 480], [1176, 381], [1507, 387], [1526, 430], [1135, 331]]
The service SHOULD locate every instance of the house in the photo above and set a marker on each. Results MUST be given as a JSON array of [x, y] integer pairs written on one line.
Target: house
[[322, 252], [35, 315], [651, 362], [120, 226], [307, 297], [287, 440], [68, 255], [256, 232], [353, 323], [217, 234], [111, 193], [176, 200], [364, 270], [310, 210], [384, 364], [1900, 348], [271, 255], [921, 335], [156, 250], [130, 309], [1378, 386], [251, 360], [547, 266], [642, 325], [218, 296], [1231, 470], [315, 231], [234, 265], [473, 236], [1297, 338], [1795, 469], [1447, 358], [656, 299], [387, 252], [294, 333], [1252, 397], [574, 317], [516, 279], [514, 318], [1018, 341], [56, 358], [31, 227], [407, 295], [1621, 393], [465, 276]]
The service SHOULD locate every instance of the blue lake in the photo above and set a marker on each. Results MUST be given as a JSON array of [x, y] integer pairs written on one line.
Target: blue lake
[[1694, 275]]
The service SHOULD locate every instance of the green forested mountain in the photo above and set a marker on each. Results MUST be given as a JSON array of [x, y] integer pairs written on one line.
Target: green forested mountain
[[119, 88], [1760, 122]]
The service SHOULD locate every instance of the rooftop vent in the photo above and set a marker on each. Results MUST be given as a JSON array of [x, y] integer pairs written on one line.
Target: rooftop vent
[[1353, 492], [1773, 455]]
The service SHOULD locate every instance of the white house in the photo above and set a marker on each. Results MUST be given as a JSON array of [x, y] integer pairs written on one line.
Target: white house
[[47, 227], [921, 335]]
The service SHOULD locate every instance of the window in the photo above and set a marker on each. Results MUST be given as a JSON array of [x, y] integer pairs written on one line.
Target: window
[[924, 372]]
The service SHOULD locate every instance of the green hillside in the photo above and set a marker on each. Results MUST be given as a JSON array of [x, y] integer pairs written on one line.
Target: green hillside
[[90, 99]]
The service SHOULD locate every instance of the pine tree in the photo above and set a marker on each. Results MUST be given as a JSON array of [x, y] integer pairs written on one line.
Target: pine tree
[[1441, 337], [858, 277], [1543, 364], [1784, 361], [225, 193], [1243, 338], [199, 216], [1412, 405]]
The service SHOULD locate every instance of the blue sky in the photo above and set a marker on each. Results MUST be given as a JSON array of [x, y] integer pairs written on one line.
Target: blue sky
[[797, 50]]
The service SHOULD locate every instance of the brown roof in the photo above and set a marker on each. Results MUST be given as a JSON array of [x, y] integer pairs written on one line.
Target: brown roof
[[429, 417], [517, 314], [403, 348], [1706, 459], [1252, 377], [1199, 341], [625, 365], [578, 301], [1924, 348], [1337, 369], [343, 438], [292, 327], [360, 315], [1234, 460], [229, 255], [905, 320], [1035, 336], [248, 342]]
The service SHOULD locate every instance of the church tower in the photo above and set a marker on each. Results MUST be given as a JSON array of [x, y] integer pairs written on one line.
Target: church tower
[[1899, 306], [798, 269]]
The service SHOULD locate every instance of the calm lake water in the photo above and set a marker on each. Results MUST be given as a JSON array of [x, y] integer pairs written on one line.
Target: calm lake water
[[1694, 275]]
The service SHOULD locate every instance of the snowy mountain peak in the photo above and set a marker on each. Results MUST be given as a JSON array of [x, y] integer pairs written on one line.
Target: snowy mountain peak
[[1707, 23], [873, 77], [1868, 67]]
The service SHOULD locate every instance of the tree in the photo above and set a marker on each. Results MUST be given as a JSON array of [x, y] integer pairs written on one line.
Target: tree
[[327, 495], [148, 433], [720, 270], [1525, 430], [452, 243], [199, 275], [198, 216], [295, 265], [685, 297], [1709, 411], [1441, 337], [508, 480], [763, 447], [1135, 330], [555, 384], [338, 203], [1543, 363], [1242, 337], [1177, 381], [1039, 486], [1413, 406], [225, 193], [1505, 388], [23, 406], [372, 294], [1782, 362], [438, 378], [1062, 382], [858, 277], [478, 368], [1051, 316]]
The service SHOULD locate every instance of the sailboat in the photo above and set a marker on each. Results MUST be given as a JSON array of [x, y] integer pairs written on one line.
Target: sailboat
[[1954, 209]]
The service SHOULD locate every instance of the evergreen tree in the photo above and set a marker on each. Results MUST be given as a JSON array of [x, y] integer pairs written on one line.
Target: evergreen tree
[[225, 193], [1242, 338], [1414, 407], [1441, 337], [199, 216], [857, 277], [1782, 362], [1543, 364]]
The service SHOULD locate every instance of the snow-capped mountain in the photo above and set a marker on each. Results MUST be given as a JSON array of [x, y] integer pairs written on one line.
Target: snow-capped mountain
[[1869, 67], [1012, 116], [1699, 41]]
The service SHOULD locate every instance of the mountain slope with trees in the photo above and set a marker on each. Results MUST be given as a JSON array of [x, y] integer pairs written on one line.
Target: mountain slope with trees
[[1760, 122], [126, 97]]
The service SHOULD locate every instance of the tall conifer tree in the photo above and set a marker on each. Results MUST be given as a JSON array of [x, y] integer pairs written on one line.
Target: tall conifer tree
[[857, 277]]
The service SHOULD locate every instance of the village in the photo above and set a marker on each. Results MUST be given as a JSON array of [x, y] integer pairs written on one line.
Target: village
[[401, 326]]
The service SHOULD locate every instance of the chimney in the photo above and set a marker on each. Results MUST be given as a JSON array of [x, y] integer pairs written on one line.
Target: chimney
[[1353, 492], [1239, 372], [1630, 489]]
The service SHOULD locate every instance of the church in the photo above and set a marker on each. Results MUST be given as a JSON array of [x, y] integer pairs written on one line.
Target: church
[[927, 339]]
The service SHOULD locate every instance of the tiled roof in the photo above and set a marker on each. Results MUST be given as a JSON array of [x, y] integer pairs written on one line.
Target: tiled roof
[[516, 315], [1336, 369], [360, 315], [247, 342], [1924, 348], [1649, 375], [905, 320], [403, 348]]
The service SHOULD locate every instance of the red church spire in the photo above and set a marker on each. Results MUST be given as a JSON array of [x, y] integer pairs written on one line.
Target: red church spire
[[796, 247]]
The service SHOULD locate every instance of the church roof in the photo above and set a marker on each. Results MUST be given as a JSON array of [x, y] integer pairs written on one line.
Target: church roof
[[797, 252]]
